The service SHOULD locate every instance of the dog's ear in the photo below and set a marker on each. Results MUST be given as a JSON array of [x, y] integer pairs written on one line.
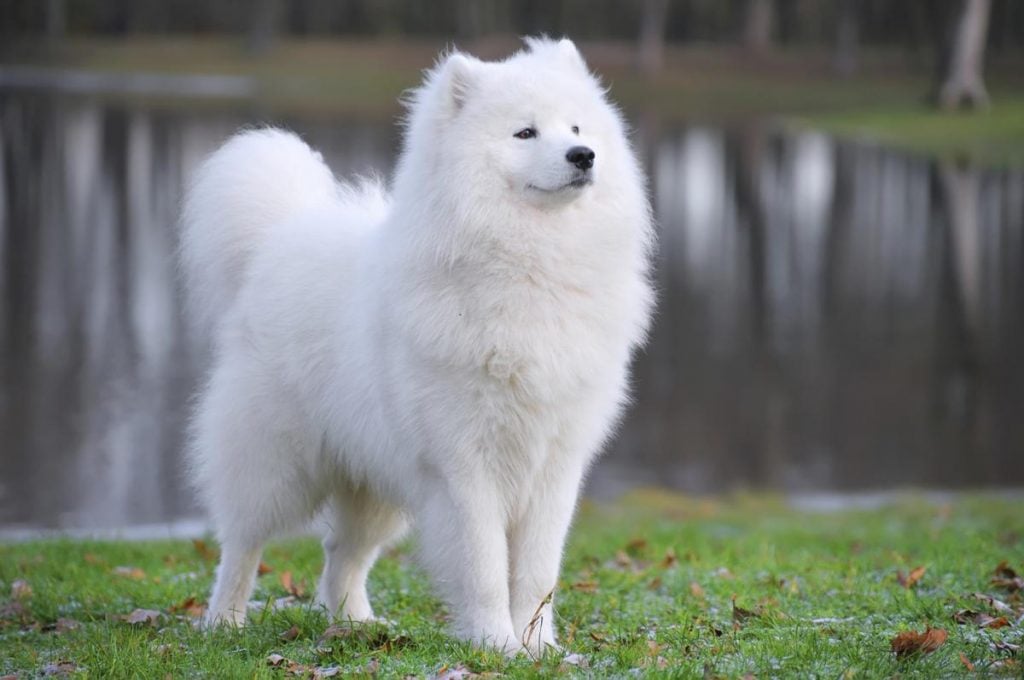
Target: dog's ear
[[567, 48], [459, 73]]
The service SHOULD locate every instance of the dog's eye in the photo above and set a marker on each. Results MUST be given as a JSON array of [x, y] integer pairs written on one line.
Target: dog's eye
[[575, 129], [526, 133]]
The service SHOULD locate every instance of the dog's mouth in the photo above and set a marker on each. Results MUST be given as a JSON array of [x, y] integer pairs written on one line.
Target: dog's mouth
[[575, 183]]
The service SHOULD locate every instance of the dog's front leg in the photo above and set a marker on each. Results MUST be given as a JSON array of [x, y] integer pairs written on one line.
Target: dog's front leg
[[464, 547], [535, 546]]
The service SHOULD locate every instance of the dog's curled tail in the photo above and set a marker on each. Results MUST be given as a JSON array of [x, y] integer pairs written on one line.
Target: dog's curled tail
[[256, 180]]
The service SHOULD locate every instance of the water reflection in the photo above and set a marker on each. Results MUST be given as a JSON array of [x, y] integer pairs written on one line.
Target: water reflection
[[832, 315]]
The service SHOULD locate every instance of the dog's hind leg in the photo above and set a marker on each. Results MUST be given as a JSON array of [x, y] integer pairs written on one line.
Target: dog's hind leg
[[360, 525], [252, 463], [235, 575]]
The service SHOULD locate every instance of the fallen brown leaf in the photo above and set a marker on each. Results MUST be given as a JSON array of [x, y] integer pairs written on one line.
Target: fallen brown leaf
[[275, 660], [740, 615], [204, 551], [21, 590], [911, 642], [670, 559], [696, 590], [92, 558], [13, 611], [636, 545], [298, 589], [143, 617], [993, 603], [1005, 577], [133, 573], [655, 583], [908, 581], [1004, 570], [585, 586], [459, 672], [263, 569], [966, 662], [290, 634], [1006, 647], [59, 668], [190, 606], [622, 560], [61, 625]]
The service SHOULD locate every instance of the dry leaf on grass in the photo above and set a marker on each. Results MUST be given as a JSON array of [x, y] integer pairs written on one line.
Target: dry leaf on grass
[[980, 619], [263, 569], [290, 634], [143, 617], [61, 625], [669, 560], [1006, 648], [577, 660], [190, 607], [966, 662], [459, 672], [909, 580], [623, 561], [13, 611], [275, 660], [696, 590], [204, 551], [296, 589], [1007, 578], [636, 545], [585, 586], [21, 590], [911, 642], [993, 603], [740, 615], [133, 573], [60, 668]]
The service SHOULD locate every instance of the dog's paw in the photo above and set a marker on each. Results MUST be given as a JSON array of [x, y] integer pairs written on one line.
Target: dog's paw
[[231, 619]]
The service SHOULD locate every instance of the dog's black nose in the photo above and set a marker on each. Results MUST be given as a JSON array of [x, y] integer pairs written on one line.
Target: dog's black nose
[[581, 156]]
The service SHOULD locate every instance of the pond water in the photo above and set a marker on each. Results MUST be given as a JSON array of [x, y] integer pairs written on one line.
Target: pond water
[[833, 315]]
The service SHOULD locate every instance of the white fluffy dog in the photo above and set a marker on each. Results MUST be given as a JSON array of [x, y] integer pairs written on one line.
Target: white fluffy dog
[[452, 356]]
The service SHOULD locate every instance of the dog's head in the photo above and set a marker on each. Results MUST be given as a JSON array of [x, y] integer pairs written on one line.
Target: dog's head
[[534, 128]]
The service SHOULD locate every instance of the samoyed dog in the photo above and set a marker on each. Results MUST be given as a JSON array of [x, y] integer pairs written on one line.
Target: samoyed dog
[[449, 354]]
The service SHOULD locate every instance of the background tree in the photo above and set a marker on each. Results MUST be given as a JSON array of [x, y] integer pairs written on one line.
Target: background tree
[[847, 37], [964, 58], [651, 48], [759, 22], [264, 24]]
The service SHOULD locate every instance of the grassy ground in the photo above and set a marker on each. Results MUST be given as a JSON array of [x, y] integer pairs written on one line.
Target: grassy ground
[[656, 585], [887, 100]]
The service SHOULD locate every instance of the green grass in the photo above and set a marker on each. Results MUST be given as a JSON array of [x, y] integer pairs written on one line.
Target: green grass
[[657, 585], [995, 135]]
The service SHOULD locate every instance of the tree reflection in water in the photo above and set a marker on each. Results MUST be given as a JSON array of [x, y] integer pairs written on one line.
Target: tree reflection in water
[[833, 315]]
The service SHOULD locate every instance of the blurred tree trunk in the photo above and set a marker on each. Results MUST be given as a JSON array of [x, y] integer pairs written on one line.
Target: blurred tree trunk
[[469, 19], [847, 37], [264, 24], [651, 45], [758, 25], [56, 22], [964, 60]]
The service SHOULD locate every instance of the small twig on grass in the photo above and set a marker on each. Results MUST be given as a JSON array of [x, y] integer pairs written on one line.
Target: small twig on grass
[[536, 623]]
